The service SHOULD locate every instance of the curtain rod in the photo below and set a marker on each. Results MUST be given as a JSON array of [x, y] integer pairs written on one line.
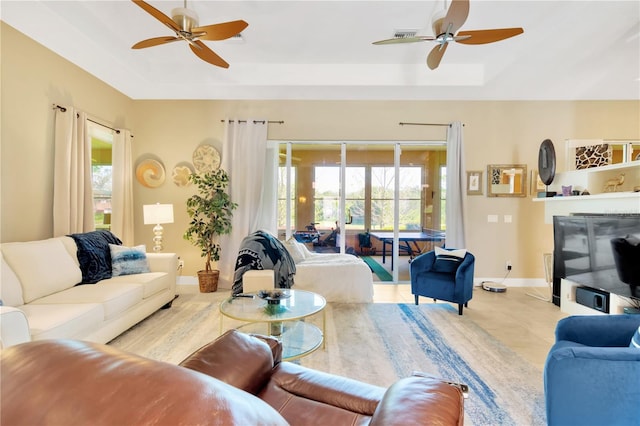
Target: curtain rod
[[425, 124], [255, 121], [63, 109]]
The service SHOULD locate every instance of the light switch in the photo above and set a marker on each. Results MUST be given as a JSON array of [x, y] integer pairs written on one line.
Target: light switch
[[492, 218], [508, 218]]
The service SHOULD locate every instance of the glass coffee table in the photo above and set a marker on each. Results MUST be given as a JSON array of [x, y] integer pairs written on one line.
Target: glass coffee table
[[284, 320]]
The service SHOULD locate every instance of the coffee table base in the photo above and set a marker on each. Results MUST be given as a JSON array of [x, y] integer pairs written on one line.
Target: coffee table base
[[299, 338]]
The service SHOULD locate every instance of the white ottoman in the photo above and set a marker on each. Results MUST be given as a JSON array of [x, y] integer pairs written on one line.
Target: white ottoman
[[256, 280]]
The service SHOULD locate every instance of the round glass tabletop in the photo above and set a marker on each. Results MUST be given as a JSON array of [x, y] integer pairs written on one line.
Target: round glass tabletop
[[251, 308]]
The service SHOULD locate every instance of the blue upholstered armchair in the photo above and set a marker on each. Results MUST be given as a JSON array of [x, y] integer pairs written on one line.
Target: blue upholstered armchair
[[453, 284], [592, 376]]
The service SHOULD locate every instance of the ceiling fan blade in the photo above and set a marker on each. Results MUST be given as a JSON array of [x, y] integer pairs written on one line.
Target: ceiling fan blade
[[220, 31], [456, 16], [435, 56], [157, 14], [488, 36], [203, 52], [405, 40], [154, 42]]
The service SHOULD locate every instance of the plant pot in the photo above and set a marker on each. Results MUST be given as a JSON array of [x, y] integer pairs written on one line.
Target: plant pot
[[208, 281]]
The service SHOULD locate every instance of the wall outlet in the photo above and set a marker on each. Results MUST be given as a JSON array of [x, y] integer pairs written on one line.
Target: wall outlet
[[180, 263], [508, 265]]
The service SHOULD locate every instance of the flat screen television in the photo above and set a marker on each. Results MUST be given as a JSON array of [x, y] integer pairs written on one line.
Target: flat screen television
[[583, 251]]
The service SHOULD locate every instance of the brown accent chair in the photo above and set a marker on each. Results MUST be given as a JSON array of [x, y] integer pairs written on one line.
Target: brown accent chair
[[237, 379]]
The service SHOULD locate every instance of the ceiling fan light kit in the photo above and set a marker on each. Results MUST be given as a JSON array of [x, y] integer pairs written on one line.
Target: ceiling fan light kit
[[445, 24], [184, 23]]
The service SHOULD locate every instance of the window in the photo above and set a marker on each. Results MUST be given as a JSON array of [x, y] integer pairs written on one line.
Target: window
[[443, 198], [326, 196], [409, 196], [101, 175], [282, 196]]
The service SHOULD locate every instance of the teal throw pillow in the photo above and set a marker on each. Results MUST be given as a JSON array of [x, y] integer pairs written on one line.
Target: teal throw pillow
[[447, 261], [128, 260]]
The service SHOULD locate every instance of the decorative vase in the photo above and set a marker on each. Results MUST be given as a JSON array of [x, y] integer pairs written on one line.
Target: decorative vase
[[208, 281], [275, 328]]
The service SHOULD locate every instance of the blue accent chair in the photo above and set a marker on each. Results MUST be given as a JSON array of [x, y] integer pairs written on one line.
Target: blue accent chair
[[454, 287], [592, 376]]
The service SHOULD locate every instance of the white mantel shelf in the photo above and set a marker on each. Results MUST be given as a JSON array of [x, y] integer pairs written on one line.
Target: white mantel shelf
[[603, 196], [593, 180]]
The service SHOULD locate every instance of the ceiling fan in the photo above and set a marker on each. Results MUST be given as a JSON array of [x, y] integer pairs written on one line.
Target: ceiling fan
[[446, 26], [184, 22]]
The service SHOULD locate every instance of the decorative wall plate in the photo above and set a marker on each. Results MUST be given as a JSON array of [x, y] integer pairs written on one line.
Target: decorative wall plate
[[150, 173], [206, 158], [181, 173]]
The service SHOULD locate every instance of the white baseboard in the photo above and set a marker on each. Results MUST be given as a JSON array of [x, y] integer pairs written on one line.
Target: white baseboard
[[187, 280], [513, 282]]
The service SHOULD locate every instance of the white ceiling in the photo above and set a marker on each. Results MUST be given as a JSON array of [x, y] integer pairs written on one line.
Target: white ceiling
[[570, 50]]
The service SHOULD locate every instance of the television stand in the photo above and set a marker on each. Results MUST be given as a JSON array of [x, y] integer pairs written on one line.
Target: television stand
[[569, 305]]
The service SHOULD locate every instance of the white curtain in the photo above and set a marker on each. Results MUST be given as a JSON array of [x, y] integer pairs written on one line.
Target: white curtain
[[456, 188], [72, 190], [244, 150], [122, 192]]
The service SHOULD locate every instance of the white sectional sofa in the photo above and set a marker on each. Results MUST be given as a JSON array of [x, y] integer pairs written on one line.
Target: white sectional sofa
[[39, 281]]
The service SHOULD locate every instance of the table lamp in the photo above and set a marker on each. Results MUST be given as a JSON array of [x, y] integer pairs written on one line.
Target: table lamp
[[157, 214]]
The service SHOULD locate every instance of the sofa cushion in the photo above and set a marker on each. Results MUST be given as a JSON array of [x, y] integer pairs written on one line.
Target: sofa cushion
[[114, 297], [294, 250], [62, 321], [635, 340], [152, 282], [10, 289], [128, 260], [94, 254], [44, 267]]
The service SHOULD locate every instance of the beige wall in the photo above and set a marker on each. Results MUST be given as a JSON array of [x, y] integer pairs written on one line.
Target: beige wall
[[495, 133], [33, 79]]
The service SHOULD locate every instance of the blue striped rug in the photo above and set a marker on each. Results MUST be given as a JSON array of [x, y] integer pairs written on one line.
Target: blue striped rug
[[380, 343]]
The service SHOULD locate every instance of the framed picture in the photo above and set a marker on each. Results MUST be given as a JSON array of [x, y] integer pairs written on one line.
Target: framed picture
[[536, 183], [474, 182]]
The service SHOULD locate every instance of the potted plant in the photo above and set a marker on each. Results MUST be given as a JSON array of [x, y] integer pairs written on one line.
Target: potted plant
[[210, 211]]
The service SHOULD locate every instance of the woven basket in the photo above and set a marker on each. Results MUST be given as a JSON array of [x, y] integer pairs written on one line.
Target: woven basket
[[208, 281]]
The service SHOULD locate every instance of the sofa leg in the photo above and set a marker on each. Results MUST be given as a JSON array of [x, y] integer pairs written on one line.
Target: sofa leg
[[416, 298], [460, 308], [168, 304]]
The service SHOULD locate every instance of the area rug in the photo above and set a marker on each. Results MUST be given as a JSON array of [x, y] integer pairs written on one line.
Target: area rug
[[375, 343], [376, 268]]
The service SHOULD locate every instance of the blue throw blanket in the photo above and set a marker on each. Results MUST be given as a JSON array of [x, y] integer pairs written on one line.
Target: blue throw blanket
[[262, 250], [94, 255]]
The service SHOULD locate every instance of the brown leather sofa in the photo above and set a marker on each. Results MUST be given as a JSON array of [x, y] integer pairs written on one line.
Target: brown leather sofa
[[236, 380]]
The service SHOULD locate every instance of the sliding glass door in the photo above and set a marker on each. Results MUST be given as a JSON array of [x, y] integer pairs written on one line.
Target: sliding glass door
[[330, 193]]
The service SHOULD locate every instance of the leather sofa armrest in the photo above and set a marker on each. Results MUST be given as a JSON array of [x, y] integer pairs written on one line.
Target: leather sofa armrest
[[238, 359], [420, 400], [337, 391], [14, 327]]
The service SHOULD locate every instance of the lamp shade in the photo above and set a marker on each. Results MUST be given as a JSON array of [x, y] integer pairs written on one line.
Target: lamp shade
[[157, 213]]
